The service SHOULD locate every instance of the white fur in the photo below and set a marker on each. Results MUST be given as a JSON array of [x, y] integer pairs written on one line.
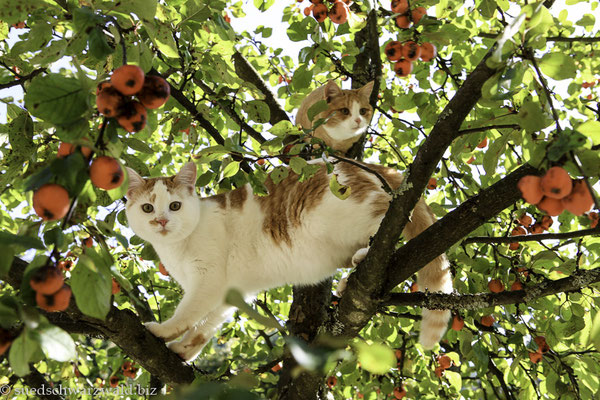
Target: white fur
[[209, 250]]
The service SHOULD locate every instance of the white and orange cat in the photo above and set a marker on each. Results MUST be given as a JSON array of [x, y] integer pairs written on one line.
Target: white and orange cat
[[347, 115], [299, 234]]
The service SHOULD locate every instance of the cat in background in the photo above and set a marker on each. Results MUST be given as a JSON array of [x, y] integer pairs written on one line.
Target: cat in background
[[348, 114], [299, 234]]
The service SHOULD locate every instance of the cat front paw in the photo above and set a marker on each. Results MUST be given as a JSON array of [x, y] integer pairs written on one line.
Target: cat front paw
[[359, 256], [187, 352], [162, 331]]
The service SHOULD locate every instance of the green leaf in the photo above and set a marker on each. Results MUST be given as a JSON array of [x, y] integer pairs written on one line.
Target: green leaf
[[230, 169], [558, 66], [299, 30], [316, 109], [297, 164], [566, 141], [493, 153], [283, 128], [6, 258], [590, 129], [376, 358], [21, 352], [57, 99], [235, 298], [340, 191], [7, 238], [162, 37], [9, 308], [278, 174], [98, 44], [454, 379], [499, 55], [302, 78], [258, 111], [532, 117], [138, 145], [91, 283], [487, 8], [56, 343], [594, 337], [145, 9]]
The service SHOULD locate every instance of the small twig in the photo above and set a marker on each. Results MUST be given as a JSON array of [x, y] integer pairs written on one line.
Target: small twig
[[533, 238], [362, 166], [489, 127]]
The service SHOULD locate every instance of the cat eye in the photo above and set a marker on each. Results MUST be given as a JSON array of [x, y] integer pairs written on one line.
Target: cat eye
[[345, 111], [175, 206], [147, 208], [364, 111]]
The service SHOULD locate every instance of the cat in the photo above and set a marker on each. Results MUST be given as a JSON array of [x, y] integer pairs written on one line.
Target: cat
[[348, 114], [299, 234]]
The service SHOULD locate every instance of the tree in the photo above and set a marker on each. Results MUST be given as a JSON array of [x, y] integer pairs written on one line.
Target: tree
[[512, 92]]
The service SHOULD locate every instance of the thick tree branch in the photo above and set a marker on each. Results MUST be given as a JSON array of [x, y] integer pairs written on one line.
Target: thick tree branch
[[439, 301], [37, 381], [246, 72], [310, 303], [368, 67], [123, 328], [307, 314], [455, 225], [228, 109], [368, 283]]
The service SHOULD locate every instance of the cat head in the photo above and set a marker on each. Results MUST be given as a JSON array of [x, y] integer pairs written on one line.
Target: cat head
[[165, 209], [348, 111]]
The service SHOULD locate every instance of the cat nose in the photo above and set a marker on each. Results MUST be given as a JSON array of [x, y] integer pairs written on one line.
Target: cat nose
[[357, 120], [162, 222]]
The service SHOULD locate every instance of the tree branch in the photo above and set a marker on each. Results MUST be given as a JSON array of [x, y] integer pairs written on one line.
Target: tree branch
[[533, 238], [583, 39], [371, 280], [22, 79], [441, 301], [228, 109], [488, 128], [246, 72], [37, 381], [123, 328]]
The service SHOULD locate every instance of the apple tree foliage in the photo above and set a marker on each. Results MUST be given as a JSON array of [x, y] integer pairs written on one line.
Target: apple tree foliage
[[526, 78]]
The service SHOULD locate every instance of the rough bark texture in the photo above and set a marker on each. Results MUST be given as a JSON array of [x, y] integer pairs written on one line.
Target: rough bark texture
[[437, 301], [368, 284], [307, 314], [246, 71], [123, 328]]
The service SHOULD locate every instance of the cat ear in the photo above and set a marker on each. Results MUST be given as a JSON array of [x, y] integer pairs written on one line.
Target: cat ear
[[332, 90], [366, 90], [187, 175], [135, 181]]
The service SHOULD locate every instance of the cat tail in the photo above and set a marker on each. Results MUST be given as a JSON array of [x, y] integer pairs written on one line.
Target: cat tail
[[433, 277]]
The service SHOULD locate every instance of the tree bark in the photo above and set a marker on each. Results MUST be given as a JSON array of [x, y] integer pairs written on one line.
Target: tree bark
[[123, 328]]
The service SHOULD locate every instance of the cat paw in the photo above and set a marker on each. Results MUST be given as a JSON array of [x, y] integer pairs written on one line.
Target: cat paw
[[341, 287], [359, 256], [162, 331], [185, 351]]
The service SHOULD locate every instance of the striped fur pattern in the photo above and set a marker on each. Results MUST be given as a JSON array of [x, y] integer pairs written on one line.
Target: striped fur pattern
[[348, 114], [299, 234]]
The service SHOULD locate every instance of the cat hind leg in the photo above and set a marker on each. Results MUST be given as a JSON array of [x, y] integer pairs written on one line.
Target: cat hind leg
[[356, 259]]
